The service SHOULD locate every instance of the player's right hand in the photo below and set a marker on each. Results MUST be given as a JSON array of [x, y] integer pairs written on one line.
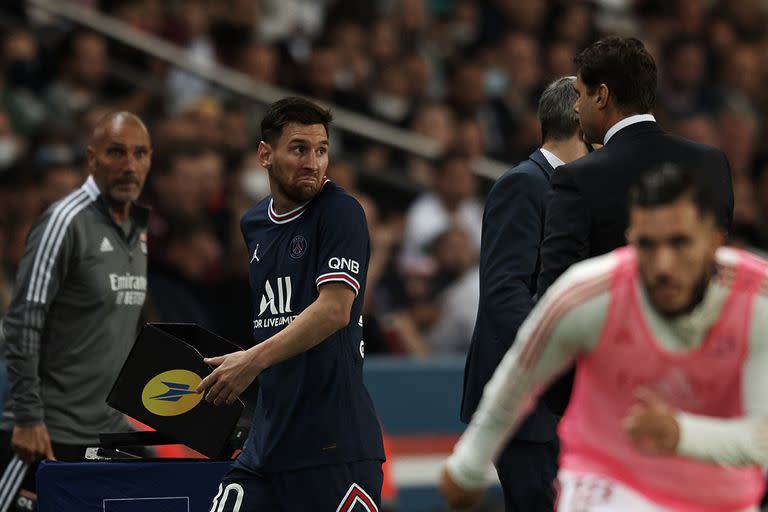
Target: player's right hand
[[32, 443], [456, 496], [231, 375]]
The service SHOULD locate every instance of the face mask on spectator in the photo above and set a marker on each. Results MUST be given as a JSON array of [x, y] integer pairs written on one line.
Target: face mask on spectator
[[54, 154], [495, 83], [255, 183], [9, 150], [392, 108]]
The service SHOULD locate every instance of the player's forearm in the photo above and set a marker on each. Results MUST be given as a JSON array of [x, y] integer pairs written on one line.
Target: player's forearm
[[316, 323], [739, 441], [507, 399], [546, 345]]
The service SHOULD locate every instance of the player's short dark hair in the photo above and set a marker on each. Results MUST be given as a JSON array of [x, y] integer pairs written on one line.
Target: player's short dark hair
[[292, 109], [667, 183], [624, 65], [558, 119]]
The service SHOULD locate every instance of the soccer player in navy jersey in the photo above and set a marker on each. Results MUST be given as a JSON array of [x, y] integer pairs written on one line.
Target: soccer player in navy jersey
[[315, 442]]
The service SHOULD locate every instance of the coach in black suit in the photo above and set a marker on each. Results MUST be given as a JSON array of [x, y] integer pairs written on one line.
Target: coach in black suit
[[513, 224], [587, 214]]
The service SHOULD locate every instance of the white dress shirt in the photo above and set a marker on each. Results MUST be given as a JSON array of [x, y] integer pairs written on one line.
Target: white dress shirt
[[553, 160], [639, 118]]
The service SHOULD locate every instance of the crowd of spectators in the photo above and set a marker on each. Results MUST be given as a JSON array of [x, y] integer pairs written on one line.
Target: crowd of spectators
[[466, 73]]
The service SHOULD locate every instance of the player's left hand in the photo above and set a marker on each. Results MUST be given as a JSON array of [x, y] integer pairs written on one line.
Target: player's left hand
[[233, 373], [651, 425], [456, 496]]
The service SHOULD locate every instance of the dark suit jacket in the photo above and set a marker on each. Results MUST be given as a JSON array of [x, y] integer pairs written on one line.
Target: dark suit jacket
[[588, 214], [513, 225]]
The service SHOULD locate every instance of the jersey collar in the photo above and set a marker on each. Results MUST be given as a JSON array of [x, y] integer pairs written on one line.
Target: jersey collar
[[284, 218]]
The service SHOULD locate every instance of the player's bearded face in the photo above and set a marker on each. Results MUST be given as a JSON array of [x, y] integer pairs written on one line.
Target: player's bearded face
[[298, 162], [675, 253]]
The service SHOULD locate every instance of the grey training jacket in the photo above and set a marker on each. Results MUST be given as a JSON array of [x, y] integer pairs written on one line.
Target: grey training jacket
[[74, 316]]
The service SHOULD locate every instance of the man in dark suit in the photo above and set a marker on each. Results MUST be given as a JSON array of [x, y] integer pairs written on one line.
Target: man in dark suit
[[587, 214], [513, 225]]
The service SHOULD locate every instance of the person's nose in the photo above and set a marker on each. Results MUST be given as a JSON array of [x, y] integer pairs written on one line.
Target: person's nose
[[664, 261], [312, 161]]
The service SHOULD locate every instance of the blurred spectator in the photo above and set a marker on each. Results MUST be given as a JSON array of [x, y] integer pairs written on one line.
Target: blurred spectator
[[19, 81], [175, 192], [683, 76], [739, 130], [452, 203], [390, 98], [498, 16], [83, 67], [741, 71], [11, 145], [520, 55], [260, 62], [573, 23], [281, 19], [458, 289], [470, 132], [468, 98], [558, 60], [697, 127], [191, 31], [58, 180], [384, 44], [180, 284]]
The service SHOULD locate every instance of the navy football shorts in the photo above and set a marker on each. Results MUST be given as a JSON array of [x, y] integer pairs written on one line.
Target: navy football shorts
[[353, 487]]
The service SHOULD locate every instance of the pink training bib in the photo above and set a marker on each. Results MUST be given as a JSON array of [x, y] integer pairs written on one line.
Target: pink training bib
[[706, 380]]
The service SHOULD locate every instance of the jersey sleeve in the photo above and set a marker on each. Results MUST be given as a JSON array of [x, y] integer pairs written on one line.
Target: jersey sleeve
[[344, 244], [565, 323], [741, 440], [41, 271]]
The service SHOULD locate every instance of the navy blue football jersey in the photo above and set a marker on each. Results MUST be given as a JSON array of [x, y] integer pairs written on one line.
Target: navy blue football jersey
[[313, 408]]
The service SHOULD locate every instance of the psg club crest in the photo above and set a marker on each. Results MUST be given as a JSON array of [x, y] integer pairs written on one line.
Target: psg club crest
[[298, 247]]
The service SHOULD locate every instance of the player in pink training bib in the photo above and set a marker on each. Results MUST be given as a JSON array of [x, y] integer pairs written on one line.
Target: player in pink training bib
[[670, 341]]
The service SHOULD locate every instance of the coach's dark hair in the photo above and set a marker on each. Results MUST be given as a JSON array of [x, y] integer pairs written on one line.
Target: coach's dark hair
[[292, 109], [669, 182], [556, 115], [624, 65]]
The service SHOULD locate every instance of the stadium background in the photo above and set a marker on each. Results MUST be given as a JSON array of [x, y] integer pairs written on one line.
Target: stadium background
[[408, 80]]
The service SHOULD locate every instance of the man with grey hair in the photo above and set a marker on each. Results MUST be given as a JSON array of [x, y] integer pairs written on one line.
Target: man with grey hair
[[513, 224]]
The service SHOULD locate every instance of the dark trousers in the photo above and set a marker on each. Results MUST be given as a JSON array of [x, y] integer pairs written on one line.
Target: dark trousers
[[527, 472], [12, 470]]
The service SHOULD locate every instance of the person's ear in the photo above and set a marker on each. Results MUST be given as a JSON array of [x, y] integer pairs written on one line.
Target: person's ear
[[602, 96], [265, 154]]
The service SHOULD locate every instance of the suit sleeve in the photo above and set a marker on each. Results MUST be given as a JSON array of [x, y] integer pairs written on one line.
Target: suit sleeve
[[510, 249], [566, 230], [344, 245], [724, 190], [565, 323], [42, 270]]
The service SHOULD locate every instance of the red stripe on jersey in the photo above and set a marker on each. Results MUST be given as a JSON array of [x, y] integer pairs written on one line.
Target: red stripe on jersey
[[339, 276], [284, 217], [354, 495]]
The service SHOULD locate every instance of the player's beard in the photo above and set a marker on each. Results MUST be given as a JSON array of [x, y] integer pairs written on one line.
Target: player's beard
[[697, 296], [298, 194]]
